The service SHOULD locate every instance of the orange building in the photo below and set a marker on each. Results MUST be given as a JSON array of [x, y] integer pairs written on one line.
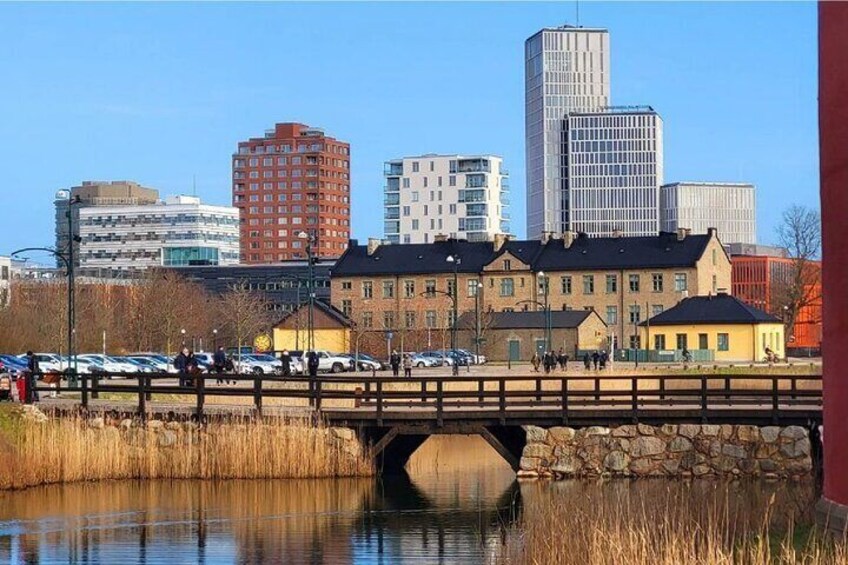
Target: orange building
[[756, 279], [293, 180]]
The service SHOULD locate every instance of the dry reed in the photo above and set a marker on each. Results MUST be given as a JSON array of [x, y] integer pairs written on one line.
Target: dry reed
[[69, 450]]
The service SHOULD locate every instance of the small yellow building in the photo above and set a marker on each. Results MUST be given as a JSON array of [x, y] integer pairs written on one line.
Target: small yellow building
[[330, 329], [723, 324]]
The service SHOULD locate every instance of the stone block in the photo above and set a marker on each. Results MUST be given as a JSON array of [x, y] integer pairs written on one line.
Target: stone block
[[626, 430], [679, 444], [768, 466], [566, 465], [528, 464], [645, 430], [538, 450], [597, 431], [689, 460], [560, 434], [616, 461], [689, 430], [799, 465], [724, 464], [770, 434], [747, 434], [726, 431], [700, 470], [710, 430], [748, 466], [345, 434], [668, 430], [646, 446], [735, 451], [643, 467], [793, 432], [522, 474], [535, 434], [671, 466], [799, 448]]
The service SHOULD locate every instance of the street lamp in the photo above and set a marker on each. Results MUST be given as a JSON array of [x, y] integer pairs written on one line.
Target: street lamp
[[478, 287], [183, 334], [215, 339], [541, 275], [455, 260]]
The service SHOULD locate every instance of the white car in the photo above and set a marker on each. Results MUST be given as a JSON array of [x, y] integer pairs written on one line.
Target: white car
[[47, 362], [251, 364], [108, 364], [333, 363]]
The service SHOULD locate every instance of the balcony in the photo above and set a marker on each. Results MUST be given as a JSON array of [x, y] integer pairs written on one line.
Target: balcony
[[476, 210], [391, 199], [392, 185], [472, 196], [471, 166], [391, 227], [475, 181], [393, 169], [392, 213]]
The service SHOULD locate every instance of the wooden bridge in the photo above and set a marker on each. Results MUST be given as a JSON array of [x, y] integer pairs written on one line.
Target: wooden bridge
[[396, 415]]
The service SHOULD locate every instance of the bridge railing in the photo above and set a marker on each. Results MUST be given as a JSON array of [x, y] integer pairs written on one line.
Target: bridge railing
[[446, 396]]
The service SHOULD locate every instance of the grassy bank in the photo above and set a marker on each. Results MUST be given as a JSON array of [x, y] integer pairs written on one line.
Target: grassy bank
[[668, 529], [70, 450]]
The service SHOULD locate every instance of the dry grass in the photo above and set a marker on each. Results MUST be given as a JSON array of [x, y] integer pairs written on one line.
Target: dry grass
[[666, 528], [69, 450]]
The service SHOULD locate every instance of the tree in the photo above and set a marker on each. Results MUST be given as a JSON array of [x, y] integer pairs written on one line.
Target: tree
[[798, 287], [242, 313]]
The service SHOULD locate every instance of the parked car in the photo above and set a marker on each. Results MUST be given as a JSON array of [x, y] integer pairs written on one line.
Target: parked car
[[475, 359], [12, 365], [440, 357], [47, 361], [419, 360], [458, 358], [364, 362], [108, 364], [140, 366], [250, 364], [159, 364]]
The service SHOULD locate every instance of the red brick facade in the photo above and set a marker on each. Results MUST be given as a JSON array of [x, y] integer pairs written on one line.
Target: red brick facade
[[293, 180]]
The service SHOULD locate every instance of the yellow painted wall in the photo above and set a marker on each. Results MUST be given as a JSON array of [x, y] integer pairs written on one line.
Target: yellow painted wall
[[335, 340], [746, 342]]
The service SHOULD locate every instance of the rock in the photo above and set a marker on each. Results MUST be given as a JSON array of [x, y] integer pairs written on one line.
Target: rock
[[689, 430], [566, 465], [771, 476], [669, 429], [765, 451], [770, 434], [538, 450], [345, 434], [724, 464], [626, 430], [715, 448], [799, 465], [735, 451], [642, 466], [748, 466], [561, 434], [155, 424], [96, 423], [645, 429], [597, 431], [167, 438], [522, 474], [800, 448], [699, 470], [616, 461], [623, 444], [726, 431], [528, 464], [702, 444], [126, 424], [747, 434], [646, 445], [768, 466], [710, 430], [535, 434], [679, 444], [689, 460], [564, 451], [671, 466], [793, 432]]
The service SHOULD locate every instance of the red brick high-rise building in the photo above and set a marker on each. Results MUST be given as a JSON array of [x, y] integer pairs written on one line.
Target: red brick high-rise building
[[293, 181]]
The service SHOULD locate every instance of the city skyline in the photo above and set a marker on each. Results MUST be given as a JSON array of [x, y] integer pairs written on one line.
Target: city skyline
[[729, 101]]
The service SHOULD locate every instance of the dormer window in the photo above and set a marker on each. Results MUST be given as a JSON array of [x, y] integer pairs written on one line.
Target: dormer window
[[507, 265]]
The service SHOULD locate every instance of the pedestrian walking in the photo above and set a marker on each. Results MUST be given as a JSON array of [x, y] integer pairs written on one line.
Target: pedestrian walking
[[604, 359], [550, 362], [394, 361], [286, 360], [563, 360], [219, 363], [407, 366], [535, 360], [587, 362], [596, 358], [312, 364], [181, 365]]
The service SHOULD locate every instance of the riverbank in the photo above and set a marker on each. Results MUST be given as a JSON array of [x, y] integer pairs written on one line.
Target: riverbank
[[37, 450]]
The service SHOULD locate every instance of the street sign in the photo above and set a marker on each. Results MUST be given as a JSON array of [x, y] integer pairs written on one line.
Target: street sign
[[389, 335]]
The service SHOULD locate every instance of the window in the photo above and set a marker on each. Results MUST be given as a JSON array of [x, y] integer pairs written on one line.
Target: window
[[507, 287], [657, 309], [715, 284], [633, 283], [659, 342], [415, 166], [635, 342], [682, 341], [409, 318], [723, 342], [346, 308], [566, 284], [430, 287], [367, 289], [409, 289], [451, 288], [612, 284], [415, 225], [368, 319], [471, 287], [657, 282], [452, 208], [430, 318], [452, 180], [388, 320], [588, 284], [635, 313], [346, 285], [507, 265], [415, 196], [406, 183], [612, 315], [680, 282], [406, 210], [388, 289], [715, 260], [703, 341]]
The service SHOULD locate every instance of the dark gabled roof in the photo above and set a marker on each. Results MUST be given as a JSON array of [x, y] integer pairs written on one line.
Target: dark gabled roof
[[585, 253], [597, 253], [328, 309], [719, 309], [560, 319]]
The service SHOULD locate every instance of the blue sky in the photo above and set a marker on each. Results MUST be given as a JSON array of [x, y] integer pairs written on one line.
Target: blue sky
[[161, 93]]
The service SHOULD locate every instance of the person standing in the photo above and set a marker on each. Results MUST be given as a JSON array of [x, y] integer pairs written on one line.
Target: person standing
[[407, 366], [31, 377], [312, 364], [219, 362], [181, 365], [394, 361], [535, 360], [286, 360], [587, 362], [604, 359], [596, 358]]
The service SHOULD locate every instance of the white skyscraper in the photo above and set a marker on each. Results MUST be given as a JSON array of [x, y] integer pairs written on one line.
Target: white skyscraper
[[460, 196], [566, 70], [698, 206], [614, 172]]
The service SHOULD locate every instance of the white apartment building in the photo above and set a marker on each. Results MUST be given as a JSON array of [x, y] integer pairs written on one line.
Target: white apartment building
[[5, 280], [698, 206], [567, 69], [460, 196], [614, 170], [175, 232]]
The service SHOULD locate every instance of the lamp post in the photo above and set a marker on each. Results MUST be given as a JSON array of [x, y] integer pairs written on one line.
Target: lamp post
[[215, 339], [183, 334], [455, 260], [310, 286], [548, 345], [477, 288]]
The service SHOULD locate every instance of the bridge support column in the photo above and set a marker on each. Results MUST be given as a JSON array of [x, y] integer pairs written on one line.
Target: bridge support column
[[508, 441], [832, 509], [391, 448]]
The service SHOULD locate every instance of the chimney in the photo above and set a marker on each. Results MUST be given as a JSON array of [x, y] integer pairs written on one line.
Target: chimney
[[617, 233], [440, 238], [373, 245], [712, 232], [499, 240], [567, 239], [546, 237], [682, 233]]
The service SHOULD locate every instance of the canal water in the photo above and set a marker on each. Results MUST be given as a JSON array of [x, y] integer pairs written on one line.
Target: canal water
[[458, 505]]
